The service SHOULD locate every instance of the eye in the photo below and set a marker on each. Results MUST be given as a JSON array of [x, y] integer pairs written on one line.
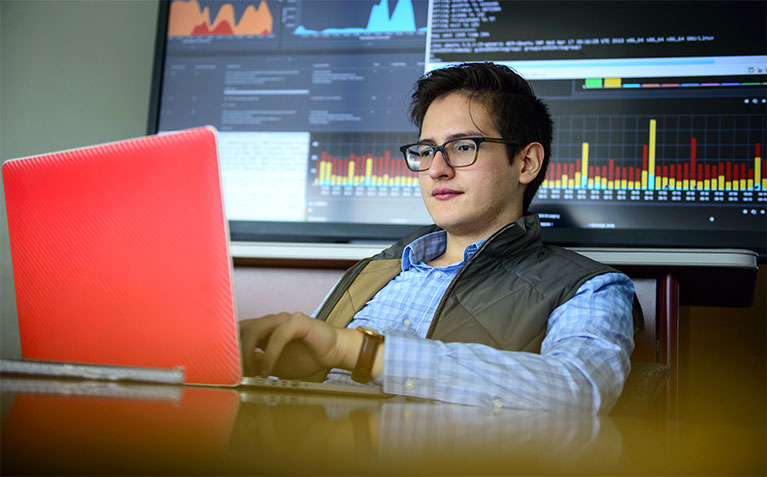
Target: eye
[[424, 150], [464, 146]]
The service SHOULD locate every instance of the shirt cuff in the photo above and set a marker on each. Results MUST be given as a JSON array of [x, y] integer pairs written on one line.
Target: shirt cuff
[[410, 366]]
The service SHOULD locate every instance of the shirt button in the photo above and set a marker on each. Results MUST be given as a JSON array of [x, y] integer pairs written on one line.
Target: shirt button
[[409, 384], [407, 321], [497, 403], [437, 275]]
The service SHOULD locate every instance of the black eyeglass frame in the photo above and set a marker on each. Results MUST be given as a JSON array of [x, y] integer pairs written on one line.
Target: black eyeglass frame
[[477, 140]]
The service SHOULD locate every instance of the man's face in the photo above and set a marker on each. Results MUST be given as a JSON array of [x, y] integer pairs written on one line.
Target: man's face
[[477, 200]]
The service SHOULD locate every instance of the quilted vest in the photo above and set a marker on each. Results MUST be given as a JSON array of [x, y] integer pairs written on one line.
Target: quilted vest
[[501, 297]]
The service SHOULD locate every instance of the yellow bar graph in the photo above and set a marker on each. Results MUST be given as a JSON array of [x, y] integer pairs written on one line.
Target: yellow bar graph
[[655, 166], [323, 172], [651, 156]]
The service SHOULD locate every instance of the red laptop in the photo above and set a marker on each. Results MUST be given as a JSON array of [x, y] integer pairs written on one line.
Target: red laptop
[[120, 256]]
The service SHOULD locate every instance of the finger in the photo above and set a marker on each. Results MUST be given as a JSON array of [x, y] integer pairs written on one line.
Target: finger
[[247, 344], [289, 330], [255, 363], [254, 333]]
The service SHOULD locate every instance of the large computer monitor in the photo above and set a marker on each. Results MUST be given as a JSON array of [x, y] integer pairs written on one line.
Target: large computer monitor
[[660, 111]]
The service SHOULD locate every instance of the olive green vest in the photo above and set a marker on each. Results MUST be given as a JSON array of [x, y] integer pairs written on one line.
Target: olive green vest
[[502, 297]]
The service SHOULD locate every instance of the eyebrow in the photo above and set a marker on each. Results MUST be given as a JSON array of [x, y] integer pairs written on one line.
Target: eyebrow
[[452, 136]]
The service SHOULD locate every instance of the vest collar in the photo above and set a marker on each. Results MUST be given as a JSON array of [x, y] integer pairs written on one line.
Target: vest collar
[[519, 236], [516, 237]]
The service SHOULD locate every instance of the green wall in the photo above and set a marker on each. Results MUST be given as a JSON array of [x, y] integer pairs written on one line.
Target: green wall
[[72, 73]]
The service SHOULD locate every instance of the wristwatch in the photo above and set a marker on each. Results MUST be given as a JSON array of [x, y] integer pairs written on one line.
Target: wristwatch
[[371, 339]]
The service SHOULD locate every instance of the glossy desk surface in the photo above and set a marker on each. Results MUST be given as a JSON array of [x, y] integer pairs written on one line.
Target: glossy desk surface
[[71, 427]]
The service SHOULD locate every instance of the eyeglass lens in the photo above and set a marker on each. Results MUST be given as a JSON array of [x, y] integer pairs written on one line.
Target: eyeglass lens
[[459, 152]]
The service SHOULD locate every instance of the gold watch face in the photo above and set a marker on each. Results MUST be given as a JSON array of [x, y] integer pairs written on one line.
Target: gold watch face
[[370, 331]]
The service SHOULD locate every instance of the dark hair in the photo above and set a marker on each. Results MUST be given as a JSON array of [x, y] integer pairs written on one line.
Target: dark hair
[[516, 112]]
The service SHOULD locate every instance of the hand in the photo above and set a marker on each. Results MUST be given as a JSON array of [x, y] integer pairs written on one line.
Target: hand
[[295, 346]]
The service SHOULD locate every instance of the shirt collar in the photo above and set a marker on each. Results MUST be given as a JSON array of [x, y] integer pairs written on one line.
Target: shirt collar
[[431, 246]]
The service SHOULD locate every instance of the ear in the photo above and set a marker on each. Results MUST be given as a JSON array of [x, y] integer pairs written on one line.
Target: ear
[[531, 163]]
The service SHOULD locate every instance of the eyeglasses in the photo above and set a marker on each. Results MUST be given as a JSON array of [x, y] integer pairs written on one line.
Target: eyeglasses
[[461, 152]]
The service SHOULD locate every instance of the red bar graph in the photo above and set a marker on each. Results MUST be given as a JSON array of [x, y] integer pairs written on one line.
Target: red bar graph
[[741, 174], [363, 170]]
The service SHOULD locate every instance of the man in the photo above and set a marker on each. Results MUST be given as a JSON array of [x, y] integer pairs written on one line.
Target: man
[[475, 309]]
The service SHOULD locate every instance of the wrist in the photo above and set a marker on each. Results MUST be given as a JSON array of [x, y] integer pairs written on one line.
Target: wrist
[[369, 360], [351, 340]]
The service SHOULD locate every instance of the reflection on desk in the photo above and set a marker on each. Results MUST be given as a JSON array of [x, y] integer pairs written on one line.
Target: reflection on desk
[[65, 427], [72, 427]]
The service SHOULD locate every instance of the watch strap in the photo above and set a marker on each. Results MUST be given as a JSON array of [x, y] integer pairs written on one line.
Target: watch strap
[[371, 340]]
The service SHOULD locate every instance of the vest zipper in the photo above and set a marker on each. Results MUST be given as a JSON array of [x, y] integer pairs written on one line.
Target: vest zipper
[[452, 285]]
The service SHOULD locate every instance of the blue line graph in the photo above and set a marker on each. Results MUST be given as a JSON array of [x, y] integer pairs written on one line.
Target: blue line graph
[[402, 19]]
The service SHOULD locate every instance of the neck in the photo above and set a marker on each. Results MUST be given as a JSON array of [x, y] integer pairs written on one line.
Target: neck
[[457, 243]]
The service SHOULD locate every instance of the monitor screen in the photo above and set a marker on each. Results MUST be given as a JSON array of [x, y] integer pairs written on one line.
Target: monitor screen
[[659, 108]]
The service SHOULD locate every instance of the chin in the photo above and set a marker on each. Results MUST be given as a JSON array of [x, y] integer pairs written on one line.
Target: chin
[[451, 225]]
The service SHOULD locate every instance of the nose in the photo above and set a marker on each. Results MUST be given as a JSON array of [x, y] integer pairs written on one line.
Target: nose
[[439, 166]]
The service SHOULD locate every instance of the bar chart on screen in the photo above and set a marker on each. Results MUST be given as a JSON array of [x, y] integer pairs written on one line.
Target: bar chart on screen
[[362, 177], [690, 156], [370, 161], [363, 170]]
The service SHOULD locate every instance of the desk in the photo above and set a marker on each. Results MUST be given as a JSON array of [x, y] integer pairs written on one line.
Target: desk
[[73, 427]]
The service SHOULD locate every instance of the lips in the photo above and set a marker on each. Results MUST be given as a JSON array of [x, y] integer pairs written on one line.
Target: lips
[[444, 193]]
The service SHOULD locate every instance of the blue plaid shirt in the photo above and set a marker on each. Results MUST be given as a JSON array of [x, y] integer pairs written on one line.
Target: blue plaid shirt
[[584, 358]]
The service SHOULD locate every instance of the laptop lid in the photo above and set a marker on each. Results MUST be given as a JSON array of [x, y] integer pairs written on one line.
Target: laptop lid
[[121, 256]]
